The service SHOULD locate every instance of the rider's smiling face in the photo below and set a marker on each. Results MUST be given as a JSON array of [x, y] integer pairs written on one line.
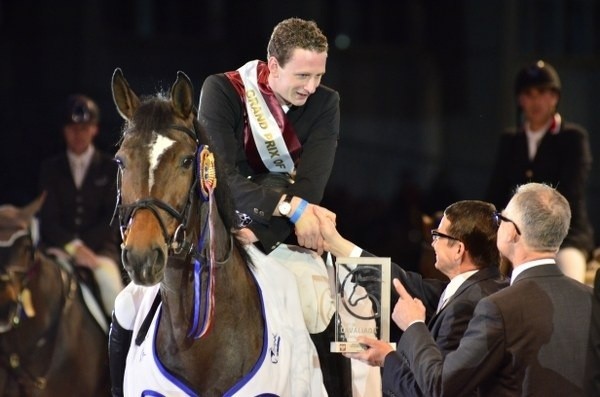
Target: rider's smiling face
[[299, 78]]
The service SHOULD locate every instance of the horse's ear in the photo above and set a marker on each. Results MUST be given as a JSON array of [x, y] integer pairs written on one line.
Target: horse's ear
[[32, 208], [126, 100], [182, 95]]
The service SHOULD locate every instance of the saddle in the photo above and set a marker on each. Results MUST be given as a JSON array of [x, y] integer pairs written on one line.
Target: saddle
[[90, 290]]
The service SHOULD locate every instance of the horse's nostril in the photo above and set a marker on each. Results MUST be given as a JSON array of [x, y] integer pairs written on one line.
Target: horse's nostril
[[145, 265], [160, 257]]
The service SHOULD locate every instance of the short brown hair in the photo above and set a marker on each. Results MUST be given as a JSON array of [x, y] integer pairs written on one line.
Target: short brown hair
[[293, 33], [472, 222]]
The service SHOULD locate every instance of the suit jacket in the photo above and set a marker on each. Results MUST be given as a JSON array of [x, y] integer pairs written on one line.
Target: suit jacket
[[593, 359], [222, 114], [447, 327], [563, 160], [84, 213], [529, 339]]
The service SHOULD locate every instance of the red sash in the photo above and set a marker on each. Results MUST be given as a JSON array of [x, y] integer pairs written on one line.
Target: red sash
[[287, 129]]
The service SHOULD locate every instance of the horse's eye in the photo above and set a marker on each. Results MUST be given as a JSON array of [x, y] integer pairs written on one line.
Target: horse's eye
[[188, 162]]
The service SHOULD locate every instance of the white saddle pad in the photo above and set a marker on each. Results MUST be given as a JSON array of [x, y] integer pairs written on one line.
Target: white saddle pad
[[316, 281], [312, 277]]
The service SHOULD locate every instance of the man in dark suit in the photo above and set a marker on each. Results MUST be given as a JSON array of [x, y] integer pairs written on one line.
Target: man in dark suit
[[276, 117], [276, 127], [545, 148], [465, 248], [529, 339], [80, 199], [592, 374]]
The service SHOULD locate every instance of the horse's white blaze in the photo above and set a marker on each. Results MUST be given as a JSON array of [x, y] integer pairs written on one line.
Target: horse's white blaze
[[158, 147]]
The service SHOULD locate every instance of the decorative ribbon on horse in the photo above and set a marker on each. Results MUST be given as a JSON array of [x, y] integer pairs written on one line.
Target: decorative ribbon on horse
[[267, 131], [206, 172], [207, 184]]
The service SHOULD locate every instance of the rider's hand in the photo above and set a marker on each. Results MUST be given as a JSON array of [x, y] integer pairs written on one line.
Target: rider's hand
[[246, 236], [85, 257], [307, 228]]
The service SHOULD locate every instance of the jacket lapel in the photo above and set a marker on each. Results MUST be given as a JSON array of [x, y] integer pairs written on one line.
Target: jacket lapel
[[482, 274]]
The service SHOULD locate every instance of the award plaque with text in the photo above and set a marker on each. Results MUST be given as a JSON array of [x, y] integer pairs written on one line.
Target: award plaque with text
[[362, 302]]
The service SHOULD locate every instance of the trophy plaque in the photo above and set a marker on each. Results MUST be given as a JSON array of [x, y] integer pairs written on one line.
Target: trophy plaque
[[362, 302]]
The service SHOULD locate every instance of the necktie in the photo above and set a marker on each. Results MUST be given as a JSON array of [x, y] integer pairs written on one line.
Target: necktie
[[442, 302]]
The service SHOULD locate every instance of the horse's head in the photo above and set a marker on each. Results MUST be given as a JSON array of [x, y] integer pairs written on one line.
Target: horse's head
[[158, 176], [18, 235]]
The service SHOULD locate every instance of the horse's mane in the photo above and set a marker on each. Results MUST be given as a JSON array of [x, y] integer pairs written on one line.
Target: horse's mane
[[155, 114]]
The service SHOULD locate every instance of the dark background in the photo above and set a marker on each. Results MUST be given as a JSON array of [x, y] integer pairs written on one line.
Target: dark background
[[426, 87]]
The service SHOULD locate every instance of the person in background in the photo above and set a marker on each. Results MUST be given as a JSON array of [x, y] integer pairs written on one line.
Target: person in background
[[276, 128], [75, 220], [592, 369], [529, 339], [466, 252], [547, 149]]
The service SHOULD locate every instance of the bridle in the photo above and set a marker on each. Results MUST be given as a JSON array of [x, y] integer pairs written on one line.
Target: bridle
[[22, 305], [177, 242], [203, 184], [11, 357]]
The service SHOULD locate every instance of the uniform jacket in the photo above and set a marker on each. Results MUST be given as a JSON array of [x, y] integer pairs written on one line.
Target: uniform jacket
[[316, 123], [562, 160], [529, 339], [84, 213], [447, 327]]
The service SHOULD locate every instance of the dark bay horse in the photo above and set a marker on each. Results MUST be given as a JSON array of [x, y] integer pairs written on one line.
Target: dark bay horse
[[50, 345], [200, 305]]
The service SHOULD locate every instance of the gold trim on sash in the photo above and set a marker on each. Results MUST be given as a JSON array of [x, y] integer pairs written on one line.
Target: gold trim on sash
[[265, 130]]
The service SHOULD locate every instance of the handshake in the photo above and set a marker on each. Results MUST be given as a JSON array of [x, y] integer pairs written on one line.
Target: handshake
[[321, 234], [315, 229]]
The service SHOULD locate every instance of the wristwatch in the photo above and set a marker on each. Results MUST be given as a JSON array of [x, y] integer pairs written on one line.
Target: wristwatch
[[286, 205]]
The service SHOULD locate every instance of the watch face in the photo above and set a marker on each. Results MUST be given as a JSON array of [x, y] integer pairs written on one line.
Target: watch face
[[284, 208]]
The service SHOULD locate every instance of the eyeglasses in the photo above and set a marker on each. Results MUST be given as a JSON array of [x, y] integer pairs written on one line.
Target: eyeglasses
[[499, 218], [435, 235]]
